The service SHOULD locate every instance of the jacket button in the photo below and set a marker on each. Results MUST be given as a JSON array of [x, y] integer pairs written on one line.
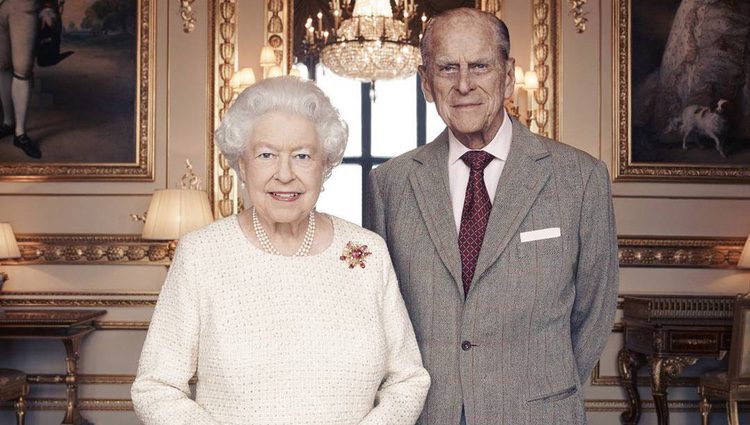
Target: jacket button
[[466, 346]]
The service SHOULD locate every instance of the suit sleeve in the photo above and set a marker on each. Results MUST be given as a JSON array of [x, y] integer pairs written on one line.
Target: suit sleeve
[[374, 217], [161, 392], [401, 395], [596, 283]]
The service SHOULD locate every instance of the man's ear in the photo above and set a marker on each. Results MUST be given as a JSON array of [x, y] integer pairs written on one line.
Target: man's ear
[[426, 83], [510, 77]]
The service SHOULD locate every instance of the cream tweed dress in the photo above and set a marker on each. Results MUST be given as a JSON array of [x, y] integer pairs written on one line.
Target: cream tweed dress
[[279, 340]]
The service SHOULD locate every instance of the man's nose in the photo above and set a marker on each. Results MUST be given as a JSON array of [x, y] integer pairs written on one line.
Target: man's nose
[[465, 82]]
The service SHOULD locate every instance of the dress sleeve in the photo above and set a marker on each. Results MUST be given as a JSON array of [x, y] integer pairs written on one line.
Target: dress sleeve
[[402, 393], [161, 392]]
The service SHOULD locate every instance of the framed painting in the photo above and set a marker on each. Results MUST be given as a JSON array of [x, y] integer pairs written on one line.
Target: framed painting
[[682, 91], [90, 109]]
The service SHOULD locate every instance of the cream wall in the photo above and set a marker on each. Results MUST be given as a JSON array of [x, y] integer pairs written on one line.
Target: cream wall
[[181, 131]]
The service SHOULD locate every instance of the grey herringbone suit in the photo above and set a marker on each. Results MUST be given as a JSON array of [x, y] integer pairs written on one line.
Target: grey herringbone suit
[[538, 313]]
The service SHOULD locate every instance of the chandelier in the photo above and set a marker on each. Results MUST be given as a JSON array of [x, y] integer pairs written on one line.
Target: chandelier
[[371, 42]]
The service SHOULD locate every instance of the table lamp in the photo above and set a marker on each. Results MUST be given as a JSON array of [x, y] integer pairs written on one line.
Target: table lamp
[[8, 247], [174, 212]]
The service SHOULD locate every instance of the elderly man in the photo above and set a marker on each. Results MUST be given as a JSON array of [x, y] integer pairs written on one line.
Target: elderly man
[[503, 241]]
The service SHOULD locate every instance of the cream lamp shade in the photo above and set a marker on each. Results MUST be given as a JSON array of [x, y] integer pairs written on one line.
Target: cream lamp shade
[[267, 56], [242, 79], [518, 73], [275, 71], [744, 262], [530, 80], [8, 244], [174, 212]]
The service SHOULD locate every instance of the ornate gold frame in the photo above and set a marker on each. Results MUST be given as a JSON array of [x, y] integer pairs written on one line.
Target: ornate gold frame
[[626, 169], [142, 169]]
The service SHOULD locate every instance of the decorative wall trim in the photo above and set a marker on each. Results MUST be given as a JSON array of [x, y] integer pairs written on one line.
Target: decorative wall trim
[[112, 404], [595, 405], [114, 325], [679, 251], [546, 57], [90, 249], [604, 405], [223, 42], [634, 251], [578, 14], [186, 13], [75, 302], [89, 379]]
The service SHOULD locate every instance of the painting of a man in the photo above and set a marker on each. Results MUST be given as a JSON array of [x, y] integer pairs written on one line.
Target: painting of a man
[[82, 109]]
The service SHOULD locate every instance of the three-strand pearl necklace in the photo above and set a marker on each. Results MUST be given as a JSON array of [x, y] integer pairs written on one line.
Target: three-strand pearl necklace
[[265, 241]]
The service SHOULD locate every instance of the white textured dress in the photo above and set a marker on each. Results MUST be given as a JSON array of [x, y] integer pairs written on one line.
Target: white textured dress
[[279, 340]]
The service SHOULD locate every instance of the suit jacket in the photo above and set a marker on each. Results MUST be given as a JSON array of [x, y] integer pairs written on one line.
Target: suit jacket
[[535, 321]]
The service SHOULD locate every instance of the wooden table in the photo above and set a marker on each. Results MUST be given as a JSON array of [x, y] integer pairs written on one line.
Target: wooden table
[[68, 326], [669, 333]]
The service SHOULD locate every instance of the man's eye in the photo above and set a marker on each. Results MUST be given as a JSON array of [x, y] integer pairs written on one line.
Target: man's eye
[[447, 68], [480, 66]]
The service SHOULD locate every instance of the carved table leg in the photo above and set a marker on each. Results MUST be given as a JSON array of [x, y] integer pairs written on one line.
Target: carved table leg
[[704, 407], [662, 369], [72, 353], [629, 362]]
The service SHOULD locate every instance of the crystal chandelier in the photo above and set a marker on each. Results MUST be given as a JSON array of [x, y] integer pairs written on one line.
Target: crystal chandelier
[[371, 42]]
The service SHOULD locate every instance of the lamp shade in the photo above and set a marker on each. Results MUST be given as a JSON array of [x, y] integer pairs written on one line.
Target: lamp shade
[[744, 262], [8, 244], [267, 56], [518, 73], [275, 71], [174, 212], [242, 79], [530, 80]]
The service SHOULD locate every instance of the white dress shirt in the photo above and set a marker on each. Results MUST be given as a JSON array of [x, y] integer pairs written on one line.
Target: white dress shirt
[[458, 171]]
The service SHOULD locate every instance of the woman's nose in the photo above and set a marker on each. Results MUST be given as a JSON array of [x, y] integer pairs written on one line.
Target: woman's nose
[[284, 171]]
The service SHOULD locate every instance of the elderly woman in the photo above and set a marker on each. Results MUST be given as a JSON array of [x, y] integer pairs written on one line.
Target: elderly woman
[[286, 315]]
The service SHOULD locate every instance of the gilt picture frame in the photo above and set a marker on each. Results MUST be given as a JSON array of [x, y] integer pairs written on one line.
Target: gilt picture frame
[[678, 119], [92, 110]]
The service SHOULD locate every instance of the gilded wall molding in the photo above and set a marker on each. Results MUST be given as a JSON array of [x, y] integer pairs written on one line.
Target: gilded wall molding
[[90, 249], [634, 251], [578, 14], [679, 251], [546, 29], [105, 404], [186, 13], [66, 302], [223, 41]]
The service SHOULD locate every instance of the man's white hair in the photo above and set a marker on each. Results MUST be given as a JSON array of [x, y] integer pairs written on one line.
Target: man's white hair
[[285, 94]]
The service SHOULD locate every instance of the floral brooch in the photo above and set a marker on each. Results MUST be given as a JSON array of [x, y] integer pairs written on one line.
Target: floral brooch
[[354, 255]]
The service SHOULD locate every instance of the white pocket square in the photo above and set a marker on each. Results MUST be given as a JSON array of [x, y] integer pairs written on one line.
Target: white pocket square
[[535, 235]]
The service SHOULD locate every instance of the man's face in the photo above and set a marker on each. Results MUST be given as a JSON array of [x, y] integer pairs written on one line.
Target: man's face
[[467, 78]]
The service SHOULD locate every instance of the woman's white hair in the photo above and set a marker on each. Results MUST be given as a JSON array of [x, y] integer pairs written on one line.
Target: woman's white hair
[[286, 94]]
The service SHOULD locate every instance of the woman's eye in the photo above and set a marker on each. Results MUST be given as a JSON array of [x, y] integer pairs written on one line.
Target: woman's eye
[[303, 156], [265, 155]]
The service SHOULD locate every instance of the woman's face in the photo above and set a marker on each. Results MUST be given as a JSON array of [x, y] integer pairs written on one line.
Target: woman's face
[[283, 167]]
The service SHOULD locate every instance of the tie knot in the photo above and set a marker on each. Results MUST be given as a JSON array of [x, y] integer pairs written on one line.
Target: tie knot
[[477, 160]]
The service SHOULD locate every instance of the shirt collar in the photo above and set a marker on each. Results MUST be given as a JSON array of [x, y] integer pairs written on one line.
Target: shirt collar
[[498, 147]]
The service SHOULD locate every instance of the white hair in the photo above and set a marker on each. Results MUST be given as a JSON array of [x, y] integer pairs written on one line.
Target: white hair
[[286, 94]]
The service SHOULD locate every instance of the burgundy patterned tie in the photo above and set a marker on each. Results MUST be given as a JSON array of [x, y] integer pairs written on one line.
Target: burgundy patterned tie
[[475, 215]]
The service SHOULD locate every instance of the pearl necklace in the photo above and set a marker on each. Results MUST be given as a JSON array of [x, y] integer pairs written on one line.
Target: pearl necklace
[[265, 241]]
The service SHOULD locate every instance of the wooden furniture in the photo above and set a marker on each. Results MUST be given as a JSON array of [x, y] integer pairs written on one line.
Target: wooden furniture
[[669, 332], [13, 387], [68, 326], [732, 385]]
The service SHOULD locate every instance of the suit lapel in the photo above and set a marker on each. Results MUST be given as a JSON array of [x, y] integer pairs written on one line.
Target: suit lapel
[[430, 184], [523, 177]]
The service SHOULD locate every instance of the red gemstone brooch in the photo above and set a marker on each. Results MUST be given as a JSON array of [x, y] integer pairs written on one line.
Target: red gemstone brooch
[[354, 255]]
